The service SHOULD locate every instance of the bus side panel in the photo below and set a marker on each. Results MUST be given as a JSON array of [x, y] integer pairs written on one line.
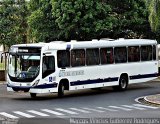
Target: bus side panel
[[108, 75]]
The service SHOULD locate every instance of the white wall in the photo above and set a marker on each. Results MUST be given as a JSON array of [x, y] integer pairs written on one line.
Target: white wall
[[1, 48]]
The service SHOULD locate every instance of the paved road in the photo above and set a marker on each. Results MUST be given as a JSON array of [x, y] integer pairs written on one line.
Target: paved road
[[104, 103]]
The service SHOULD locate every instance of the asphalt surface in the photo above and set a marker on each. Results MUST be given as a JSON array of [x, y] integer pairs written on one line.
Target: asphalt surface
[[104, 103]]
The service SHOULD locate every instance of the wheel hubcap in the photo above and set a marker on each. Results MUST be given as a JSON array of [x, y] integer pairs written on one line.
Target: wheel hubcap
[[62, 88], [123, 83]]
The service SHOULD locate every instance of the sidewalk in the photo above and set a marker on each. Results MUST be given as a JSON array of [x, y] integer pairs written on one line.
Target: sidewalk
[[2, 82], [154, 99]]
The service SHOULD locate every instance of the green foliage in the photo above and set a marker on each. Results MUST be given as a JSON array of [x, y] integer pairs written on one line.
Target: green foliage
[[2, 66], [82, 19], [41, 23], [12, 22], [154, 17], [49, 20], [131, 18]]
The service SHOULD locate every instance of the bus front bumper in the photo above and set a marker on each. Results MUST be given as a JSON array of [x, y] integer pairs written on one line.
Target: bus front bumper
[[45, 88]]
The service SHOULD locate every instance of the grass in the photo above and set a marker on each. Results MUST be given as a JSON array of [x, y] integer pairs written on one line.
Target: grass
[[2, 66]]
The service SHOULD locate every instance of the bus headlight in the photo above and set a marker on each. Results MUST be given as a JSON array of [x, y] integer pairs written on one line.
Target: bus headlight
[[36, 82]]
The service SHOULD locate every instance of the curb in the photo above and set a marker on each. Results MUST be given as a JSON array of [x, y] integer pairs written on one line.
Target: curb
[[156, 80], [137, 99], [150, 101]]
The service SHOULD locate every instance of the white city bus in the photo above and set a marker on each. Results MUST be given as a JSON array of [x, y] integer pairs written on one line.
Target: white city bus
[[58, 66]]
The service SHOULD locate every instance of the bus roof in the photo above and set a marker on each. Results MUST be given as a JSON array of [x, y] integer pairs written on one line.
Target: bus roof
[[100, 43], [30, 45], [61, 45]]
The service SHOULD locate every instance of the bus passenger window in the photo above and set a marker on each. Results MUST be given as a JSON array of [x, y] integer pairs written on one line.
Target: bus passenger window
[[146, 53], [92, 56], [154, 52], [120, 54], [77, 58], [63, 57], [106, 55], [133, 54]]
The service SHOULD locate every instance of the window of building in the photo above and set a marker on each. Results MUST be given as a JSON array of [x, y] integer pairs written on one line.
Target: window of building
[[146, 53], [106, 55], [133, 54], [63, 57], [77, 57], [92, 56], [120, 54]]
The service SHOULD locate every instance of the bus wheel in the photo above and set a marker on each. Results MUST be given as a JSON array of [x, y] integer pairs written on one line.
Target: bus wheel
[[61, 90], [33, 95], [123, 83]]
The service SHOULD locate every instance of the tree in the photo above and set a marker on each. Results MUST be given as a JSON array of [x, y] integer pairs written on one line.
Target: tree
[[82, 19], [7, 22], [22, 21], [12, 23], [131, 19], [41, 22], [154, 16], [88, 19]]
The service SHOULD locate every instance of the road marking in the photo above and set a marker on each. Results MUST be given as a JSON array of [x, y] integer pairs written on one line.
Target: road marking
[[38, 113], [8, 115], [80, 110], [145, 106], [116, 107], [106, 109], [24, 114], [67, 111], [134, 107], [52, 112], [90, 109]]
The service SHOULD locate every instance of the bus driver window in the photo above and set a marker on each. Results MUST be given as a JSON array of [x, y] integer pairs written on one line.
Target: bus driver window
[[48, 66]]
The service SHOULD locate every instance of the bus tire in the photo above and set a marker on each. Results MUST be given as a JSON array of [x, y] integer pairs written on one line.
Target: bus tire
[[33, 95], [123, 83], [61, 89]]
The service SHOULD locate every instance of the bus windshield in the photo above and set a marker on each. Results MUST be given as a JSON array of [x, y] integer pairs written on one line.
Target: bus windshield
[[23, 66]]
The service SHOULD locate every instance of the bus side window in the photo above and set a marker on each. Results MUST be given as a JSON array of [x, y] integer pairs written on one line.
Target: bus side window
[[106, 55], [77, 58], [92, 56], [133, 54], [146, 53], [63, 57], [120, 54], [154, 52]]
